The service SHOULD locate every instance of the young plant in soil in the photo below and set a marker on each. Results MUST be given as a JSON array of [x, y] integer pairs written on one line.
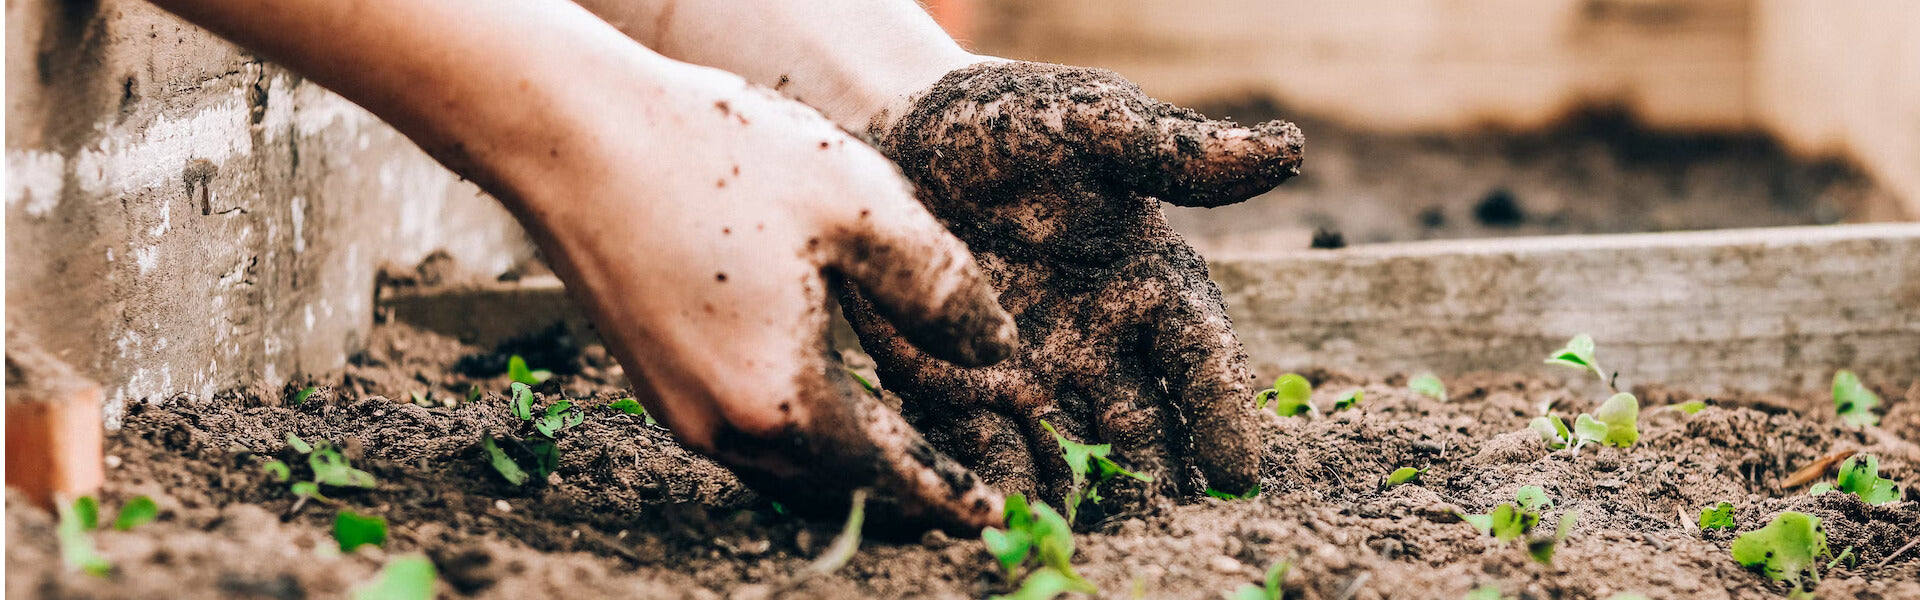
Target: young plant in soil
[[1578, 354], [518, 372], [519, 461], [1615, 423], [330, 468], [404, 578], [1785, 550], [1860, 476], [1403, 475], [1718, 516], [633, 407], [1348, 400], [82, 516], [1036, 530], [1090, 467], [1429, 385], [1853, 401], [1291, 395], [354, 530], [1271, 590]]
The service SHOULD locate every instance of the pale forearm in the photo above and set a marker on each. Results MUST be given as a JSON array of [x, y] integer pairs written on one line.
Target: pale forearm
[[851, 59]]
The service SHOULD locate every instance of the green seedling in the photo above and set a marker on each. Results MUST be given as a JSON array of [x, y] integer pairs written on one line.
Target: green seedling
[[1614, 424], [76, 548], [1403, 475], [1485, 592], [1692, 407], [1510, 520], [1719, 516], [558, 417], [518, 372], [1578, 354], [503, 464], [354, 531], [1230, 496], [1429, 385], [1271, 590], [1847, 556], [305, 393], [1047, 583], [331, 468], [1541, 549], [520, 400], [1034, 529], [633, 407], [404, 578], [1553, 430], [278, 470], [1349, 400], [473, 394], [845, 544], [869, 386], [1860, 476], [1784, 550], [298, 445], [1291, 395], [1090, 467], [1854, 401], [139, 511]]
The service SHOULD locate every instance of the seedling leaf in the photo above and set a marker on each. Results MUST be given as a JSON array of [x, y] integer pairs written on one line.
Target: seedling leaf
[[1589, 430], [1230, 496], [354, 531], [1531, 498], [330, 467], [301, 397], [138, 511], [1291, 394], [1089, 467], [1485, 592], [1691, 406], [502, 463], [1552, 430], [278, 470], [1403, 475], [1276, 576], [848, 542], [864, 384], [546, 457], [1621, 414], [298, 445], [1349, 400], [306, 489], [558, 417], [1785, 549], [1048, 583], [1008, 547], [1429, 385], [1854, 401], [521, 400], [1720, 516], [1862, 478], [518, 372], [76, 548], [404, 578], [473, 394], [1507, 522], [1819, 488], [1578, 354], [1541, 549]]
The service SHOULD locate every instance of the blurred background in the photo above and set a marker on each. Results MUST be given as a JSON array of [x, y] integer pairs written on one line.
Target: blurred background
[[1469, 118]]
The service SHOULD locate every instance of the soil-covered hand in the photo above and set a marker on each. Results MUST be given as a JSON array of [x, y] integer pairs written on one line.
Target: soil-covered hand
[[1053, 176], [702, 221]]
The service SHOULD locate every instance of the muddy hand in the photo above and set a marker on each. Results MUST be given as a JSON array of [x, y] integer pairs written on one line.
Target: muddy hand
[[1053, 176]]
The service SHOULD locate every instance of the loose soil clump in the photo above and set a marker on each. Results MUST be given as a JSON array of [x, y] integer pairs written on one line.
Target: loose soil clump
[[629, 513]]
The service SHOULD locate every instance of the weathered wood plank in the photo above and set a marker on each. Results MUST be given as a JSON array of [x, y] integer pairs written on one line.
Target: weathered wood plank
[[1758, 309]]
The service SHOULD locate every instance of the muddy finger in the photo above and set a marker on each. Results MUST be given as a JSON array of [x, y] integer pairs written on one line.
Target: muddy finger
[[1206, 372]]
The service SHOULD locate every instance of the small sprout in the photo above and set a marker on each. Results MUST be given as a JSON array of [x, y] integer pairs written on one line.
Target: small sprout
[[473, 394], [502, 463], [1578, 354], [1854, 401], [847, 543], [546, 457], [1291, 395], [520, 400], [1785, 549], [1229, 496], [1541, 549], [330, 467], [306, 489], [633, 407], [1614, 424], [1862, 478], [864, 383], [1403, 475], [558, 417], [354, 531], [1819, 488], [1532, 497], [1090, 467], [422, 400], [1011, 546], [1429, 385], [298, 445], [1553, 430], [139, 511], [1047, 583], [1034, 528], [1349, 400], [404, 578], [1845, 555], [1510, 520], [1720, 516], [305, 393], [76, 548], [1485, 592], [1692, 407], [1276, 577], [518, 372]]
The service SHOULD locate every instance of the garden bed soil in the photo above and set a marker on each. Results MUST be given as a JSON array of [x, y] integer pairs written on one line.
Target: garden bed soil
[[632, 514]]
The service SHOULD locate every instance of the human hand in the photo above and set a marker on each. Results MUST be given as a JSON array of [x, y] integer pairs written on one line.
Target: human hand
[[1053, 176], [701, 222]]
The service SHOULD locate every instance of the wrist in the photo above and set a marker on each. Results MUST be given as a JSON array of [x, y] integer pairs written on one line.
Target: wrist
[[887, 94]]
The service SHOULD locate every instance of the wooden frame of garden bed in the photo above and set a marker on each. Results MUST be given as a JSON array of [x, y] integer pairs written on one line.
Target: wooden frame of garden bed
[[1756, 309]]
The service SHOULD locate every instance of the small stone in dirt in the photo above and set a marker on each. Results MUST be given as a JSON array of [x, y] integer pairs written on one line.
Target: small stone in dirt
[[934, 538], [502, 506], [1224, 564], [1499, 209], [113, 461]]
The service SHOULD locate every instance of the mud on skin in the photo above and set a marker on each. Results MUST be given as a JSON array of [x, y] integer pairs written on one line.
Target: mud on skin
[[1053, 176]]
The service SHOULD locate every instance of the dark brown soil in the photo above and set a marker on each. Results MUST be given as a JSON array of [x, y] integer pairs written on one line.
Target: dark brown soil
[[1596, 172], [632, 514]]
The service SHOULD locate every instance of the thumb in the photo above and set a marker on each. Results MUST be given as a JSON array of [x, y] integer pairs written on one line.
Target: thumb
[[1188, 160], [924, 281]]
